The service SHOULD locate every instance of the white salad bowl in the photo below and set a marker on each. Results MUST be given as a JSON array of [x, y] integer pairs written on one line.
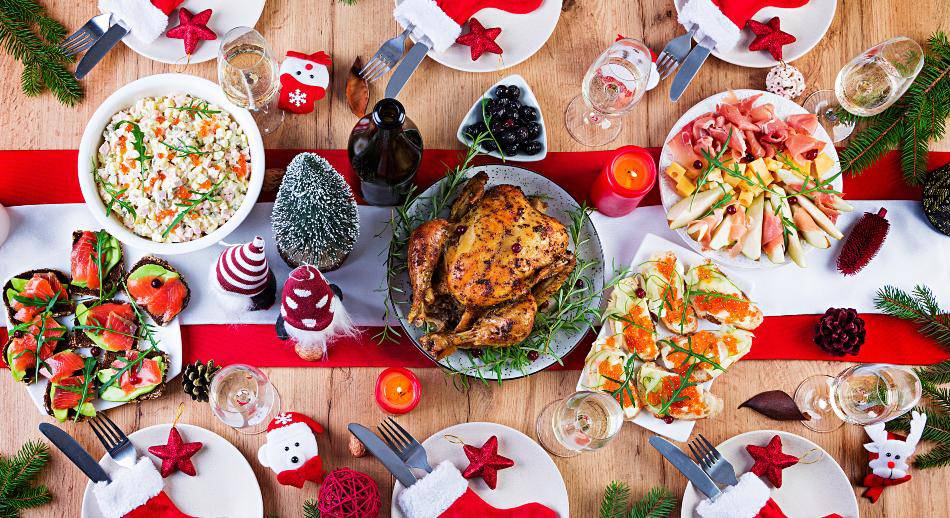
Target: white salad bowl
[[158, 85]]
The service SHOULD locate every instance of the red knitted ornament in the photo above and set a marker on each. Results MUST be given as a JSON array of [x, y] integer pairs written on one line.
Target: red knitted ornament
[[347, 493]]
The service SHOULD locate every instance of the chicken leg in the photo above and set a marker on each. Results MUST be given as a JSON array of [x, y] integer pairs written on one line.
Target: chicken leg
[[501, 326], [426, 245]]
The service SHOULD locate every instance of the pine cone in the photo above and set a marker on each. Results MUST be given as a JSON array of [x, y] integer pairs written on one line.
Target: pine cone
[[840, 331], [197, 379]]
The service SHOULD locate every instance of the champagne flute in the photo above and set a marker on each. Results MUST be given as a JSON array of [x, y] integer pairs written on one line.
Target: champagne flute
[[248, 74], [868, 85], [583, 421], [863, 394], [242, 397], [612, 86]]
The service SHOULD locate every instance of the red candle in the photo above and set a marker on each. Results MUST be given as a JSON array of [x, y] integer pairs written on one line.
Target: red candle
[[624, 181], [397, 390]]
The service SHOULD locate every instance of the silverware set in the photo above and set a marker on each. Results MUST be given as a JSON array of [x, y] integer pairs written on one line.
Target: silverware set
[[88, 34], [392, 53], [680, 54], [96, 38], [707, 472], [113, 439], [398, 450]]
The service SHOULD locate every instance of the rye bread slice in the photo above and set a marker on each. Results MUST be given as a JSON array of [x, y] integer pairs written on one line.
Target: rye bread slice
[[70, 413], [108, 357], [112, 278], [78, 338], [150, 259], [61, 309]]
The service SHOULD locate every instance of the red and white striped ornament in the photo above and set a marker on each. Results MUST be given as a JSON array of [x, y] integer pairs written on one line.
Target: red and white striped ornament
[[243, 269]]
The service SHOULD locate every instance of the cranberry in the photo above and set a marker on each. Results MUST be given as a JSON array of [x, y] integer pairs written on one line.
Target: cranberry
[[698, 164], [544, 305], [730, 210], [476, 353], [747, 158], [641, 293], [667, 419], [516, 247], [533, 355], [156, 283], [579, 284], [811, 155], [459, 230], [792, 201], [95, 351]]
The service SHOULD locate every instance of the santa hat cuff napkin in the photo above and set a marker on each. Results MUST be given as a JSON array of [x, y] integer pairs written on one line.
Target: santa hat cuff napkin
[[744, 500], [710, 22], [441, 20], [135, 490], [145, 19], [434, 494]]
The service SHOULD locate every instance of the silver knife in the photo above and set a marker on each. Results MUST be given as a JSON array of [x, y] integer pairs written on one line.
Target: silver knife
[[74, 452], [686, 466], [406, 67], [99, 49], [381, 451], [690, 66]]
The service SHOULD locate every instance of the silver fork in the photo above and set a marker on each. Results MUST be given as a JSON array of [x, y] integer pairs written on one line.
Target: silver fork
[[83, 38], [386, 57], [708, 457], [404, 444], [674, 53], [114, 440]]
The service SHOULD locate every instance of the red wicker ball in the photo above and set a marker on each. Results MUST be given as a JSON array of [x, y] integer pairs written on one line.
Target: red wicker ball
[[347, 493]]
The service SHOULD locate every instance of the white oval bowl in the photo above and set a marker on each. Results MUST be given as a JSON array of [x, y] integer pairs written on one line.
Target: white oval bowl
[[157, 85]]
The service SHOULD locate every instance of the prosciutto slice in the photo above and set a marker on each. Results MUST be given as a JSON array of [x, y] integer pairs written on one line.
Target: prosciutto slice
[[805, 122]]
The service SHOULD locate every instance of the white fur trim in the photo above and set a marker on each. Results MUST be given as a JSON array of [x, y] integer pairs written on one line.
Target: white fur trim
[[434, 494], [711, 21], [130, 488], [145, 21], [313, 344], [283, 433], [430, 21], [744, 500]]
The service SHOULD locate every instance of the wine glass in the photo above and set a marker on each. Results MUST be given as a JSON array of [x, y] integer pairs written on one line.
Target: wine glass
[[868, 85], [242, 397], [247, 72], [583, 421], [862, 395], [612, 86]]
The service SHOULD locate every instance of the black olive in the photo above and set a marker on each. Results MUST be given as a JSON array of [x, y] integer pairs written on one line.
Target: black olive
[[508, 137], [510, 149], [489, 146], [156, 283], [528, 113], [496, 126], [498, 113], [532, 147], [522, 134], [509, 124], [500, 91], [534, 130], [513, 92]]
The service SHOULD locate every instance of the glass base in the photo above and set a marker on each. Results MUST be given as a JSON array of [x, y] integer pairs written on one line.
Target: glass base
[[589, 127], [813, 397], [824, 103], [268, 119], [544, 431]]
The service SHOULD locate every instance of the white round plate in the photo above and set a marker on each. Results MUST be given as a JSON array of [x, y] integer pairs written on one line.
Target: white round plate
[[521, 36], [560, 204], [815, 489], [225, 16], [220, 467], [807, 23], [668, 196], [533, 478], [150, 86]]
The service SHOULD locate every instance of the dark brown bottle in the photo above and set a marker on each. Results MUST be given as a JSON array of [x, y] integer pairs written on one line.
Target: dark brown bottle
[[385, 150]]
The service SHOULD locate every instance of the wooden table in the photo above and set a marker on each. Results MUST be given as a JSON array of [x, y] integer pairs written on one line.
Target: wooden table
[[338, 396]]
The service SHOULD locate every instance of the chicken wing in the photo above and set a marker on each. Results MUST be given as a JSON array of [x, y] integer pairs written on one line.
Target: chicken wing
[[507, 324], [426, 245]]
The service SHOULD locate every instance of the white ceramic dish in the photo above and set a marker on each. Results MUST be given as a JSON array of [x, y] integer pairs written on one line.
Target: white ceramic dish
[[816, 489], [678, 429], [164, 84], [668, 195], [807, 23], [221, 468], [533, 478], [522, 35], [527, 98], [226, 15]]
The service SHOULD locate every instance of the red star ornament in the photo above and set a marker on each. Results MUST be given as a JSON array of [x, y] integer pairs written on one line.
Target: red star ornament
[[192, 28], [769, 37], [176, 454], [770, 461], [485, 462], [480, 39]]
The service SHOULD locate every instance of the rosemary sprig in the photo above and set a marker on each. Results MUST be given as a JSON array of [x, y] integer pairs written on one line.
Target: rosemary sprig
[[138, 144], [191, 203], [88, 369], [115, 196], [186, 149], [98, 257], [199, 108]]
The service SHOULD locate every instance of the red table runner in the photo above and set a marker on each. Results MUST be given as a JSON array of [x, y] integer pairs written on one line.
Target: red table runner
[[780, 337]]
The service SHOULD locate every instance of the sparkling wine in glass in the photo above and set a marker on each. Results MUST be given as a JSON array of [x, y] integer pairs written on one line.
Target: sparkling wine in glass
[[248, 74], [612, 86], [868, 85], [861, 395], [242, 397], [583, 421]]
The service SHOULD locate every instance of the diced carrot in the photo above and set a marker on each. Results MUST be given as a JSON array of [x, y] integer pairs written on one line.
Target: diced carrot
[[193, 215], [129, 127], [125, 168], [175, 121], [161, 155], [159, 132], [195, 159], [165, 214], [160, 119], [182, 192], [242, 167], [206, 184]]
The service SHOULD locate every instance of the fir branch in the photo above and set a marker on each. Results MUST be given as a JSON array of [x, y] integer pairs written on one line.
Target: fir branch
[[16, 475], [615, 501], [659, 502], [920, 307], [937, 374], [936, 458], [310, 509]]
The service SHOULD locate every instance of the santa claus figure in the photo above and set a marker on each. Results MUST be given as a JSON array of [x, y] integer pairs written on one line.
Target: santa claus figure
[[291, 449], [304, 79], [311, 313]]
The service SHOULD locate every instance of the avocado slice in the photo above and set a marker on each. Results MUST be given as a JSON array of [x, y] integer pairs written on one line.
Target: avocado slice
[[82, 315], [115, 393], [152, 270], [18, 285], [61, 414], [17, 375], [113, 254]]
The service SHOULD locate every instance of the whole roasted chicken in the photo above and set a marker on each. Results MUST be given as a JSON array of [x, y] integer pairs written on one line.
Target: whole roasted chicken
[[479, 276]]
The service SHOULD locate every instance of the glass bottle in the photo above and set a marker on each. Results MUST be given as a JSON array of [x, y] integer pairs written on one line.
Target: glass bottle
[[385, 149]]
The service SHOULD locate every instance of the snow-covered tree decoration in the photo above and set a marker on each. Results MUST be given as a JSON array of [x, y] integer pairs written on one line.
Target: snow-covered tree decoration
[[315, 219]]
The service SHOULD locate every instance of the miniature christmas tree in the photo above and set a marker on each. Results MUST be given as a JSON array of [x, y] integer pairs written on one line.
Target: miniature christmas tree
[[315, 218]]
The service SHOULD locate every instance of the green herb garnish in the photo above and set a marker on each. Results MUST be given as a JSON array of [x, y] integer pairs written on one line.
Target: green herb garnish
[[138, 144], [191, 203]]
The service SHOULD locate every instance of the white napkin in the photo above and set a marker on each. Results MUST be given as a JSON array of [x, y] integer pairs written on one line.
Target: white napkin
[[710, 22]]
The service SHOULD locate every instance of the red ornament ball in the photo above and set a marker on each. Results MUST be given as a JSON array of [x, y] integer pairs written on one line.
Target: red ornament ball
[[347, 493]]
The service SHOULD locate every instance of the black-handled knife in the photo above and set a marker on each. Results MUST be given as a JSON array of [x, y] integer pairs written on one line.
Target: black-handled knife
[[74, 452], [99, 49]]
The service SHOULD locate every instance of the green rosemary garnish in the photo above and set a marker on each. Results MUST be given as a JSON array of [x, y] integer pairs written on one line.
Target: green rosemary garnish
[[186, 149], [198, 108], [138, 144], [115, 196], [191, 203]]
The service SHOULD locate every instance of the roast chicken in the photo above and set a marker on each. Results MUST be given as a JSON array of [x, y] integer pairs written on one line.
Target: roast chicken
[[478, 277]]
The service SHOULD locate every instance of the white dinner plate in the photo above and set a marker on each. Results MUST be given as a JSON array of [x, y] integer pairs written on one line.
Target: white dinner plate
[[533, 478], [807, 23], [815, 489], [668, 195], [522, 35], [225, 16], [221, 470]]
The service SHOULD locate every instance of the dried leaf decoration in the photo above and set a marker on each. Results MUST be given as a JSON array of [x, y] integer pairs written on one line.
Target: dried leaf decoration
[[776, 404], [357, 89]]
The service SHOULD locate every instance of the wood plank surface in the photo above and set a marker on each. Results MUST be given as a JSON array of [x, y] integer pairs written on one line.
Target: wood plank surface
[[436, 99]]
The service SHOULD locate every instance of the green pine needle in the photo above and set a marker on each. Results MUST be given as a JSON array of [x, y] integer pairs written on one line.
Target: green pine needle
[[16, 476], [658, 503], [935, 458], [615, 501], [310, 509], [937, 374], [920, 306]]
